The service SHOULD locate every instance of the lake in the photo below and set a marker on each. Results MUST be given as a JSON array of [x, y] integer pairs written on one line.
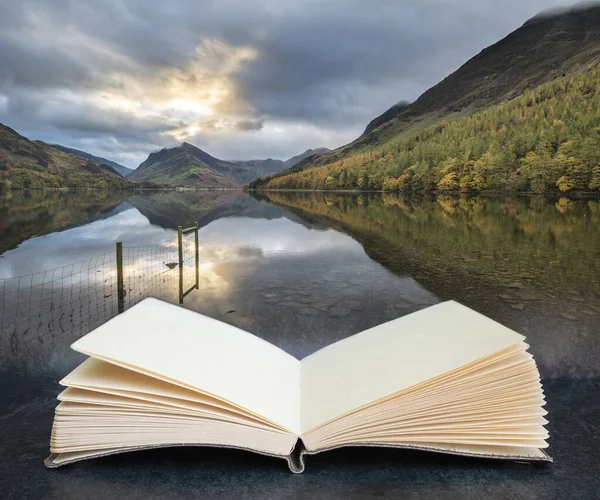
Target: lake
[[299, 269]]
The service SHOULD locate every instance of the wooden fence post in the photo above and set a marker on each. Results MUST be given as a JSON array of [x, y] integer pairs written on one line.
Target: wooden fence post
[[120, 287], [180, 245], [197, 260]]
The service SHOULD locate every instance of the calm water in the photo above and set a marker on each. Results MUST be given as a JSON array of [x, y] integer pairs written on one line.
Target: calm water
[[303, 270]]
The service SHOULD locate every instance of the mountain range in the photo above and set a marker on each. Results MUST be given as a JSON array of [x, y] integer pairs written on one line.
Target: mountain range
[[35, 164], [551, 58], [188, 165]]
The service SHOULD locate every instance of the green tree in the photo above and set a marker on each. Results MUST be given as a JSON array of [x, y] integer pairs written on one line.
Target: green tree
[[344, 178], [595, 178], [575, 177], [363, 180], [330, 183]]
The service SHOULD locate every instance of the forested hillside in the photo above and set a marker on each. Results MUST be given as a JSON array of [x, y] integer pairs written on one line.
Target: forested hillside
[[548, 139]]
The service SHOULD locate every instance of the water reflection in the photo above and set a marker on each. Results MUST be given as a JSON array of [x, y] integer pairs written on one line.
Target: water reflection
[[531, 263], [297, 287], [24, 214], [303, 270], [262, 268]]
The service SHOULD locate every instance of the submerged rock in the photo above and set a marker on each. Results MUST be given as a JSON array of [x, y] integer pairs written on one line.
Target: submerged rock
[[310, 311], [569, 316], [515, 284], [527, 296], [291, 304], [418, 301], [339, 311], [355, 305]]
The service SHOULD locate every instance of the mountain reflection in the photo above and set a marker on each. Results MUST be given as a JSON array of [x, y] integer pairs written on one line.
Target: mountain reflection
[[303, 270], [34, 213]]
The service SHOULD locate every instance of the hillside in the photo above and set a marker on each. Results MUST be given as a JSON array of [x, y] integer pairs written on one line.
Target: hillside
[[544, 48], [188, 165], [551, 59], [120, 169], [302, 156], [34, 164]]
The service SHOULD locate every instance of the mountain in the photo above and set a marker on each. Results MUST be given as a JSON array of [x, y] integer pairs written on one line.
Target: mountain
[[551, 59], [35, 164], [259, 168], [251, 169], [544, 48], [388, 115], [188, 165], [121, 169]]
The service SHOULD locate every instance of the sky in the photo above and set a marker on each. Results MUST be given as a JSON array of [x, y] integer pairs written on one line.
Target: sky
[[240, 79]]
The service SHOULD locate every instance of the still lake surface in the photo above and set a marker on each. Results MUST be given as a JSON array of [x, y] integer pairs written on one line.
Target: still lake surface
[[303, 270]]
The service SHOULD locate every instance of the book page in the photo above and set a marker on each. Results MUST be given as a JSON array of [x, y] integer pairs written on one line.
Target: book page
[[395, 356], [94, 374], [192, 350]]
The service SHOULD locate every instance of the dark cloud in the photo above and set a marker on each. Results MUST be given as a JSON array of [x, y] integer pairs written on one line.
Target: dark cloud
[[277, 76], [250, 124]]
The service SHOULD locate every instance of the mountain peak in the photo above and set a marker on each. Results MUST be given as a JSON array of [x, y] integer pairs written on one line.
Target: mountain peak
[[558, 12], [309, 152]]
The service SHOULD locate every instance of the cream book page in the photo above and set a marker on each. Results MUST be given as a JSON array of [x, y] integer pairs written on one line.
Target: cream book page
[[395, 356], [192, 350]]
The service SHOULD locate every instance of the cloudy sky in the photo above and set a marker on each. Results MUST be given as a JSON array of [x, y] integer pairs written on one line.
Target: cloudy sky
[[240, 79]]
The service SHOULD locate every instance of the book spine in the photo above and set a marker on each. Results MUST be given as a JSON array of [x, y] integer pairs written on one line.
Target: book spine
[[295, 459]]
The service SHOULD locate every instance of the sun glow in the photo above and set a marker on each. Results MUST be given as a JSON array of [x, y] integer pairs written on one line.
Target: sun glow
[[189, 106], [198, 96]]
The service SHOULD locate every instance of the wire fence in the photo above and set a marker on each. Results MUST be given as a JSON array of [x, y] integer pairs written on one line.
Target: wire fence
[[70, 301], [68, 297]]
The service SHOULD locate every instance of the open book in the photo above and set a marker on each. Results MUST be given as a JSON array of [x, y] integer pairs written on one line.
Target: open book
[[445, 379]]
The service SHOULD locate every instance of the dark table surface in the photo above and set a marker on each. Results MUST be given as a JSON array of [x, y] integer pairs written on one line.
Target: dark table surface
[[26, 419]]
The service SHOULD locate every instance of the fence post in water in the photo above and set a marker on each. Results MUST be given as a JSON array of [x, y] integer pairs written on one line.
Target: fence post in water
[[180, 245], [197, 260], [120, 287]]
